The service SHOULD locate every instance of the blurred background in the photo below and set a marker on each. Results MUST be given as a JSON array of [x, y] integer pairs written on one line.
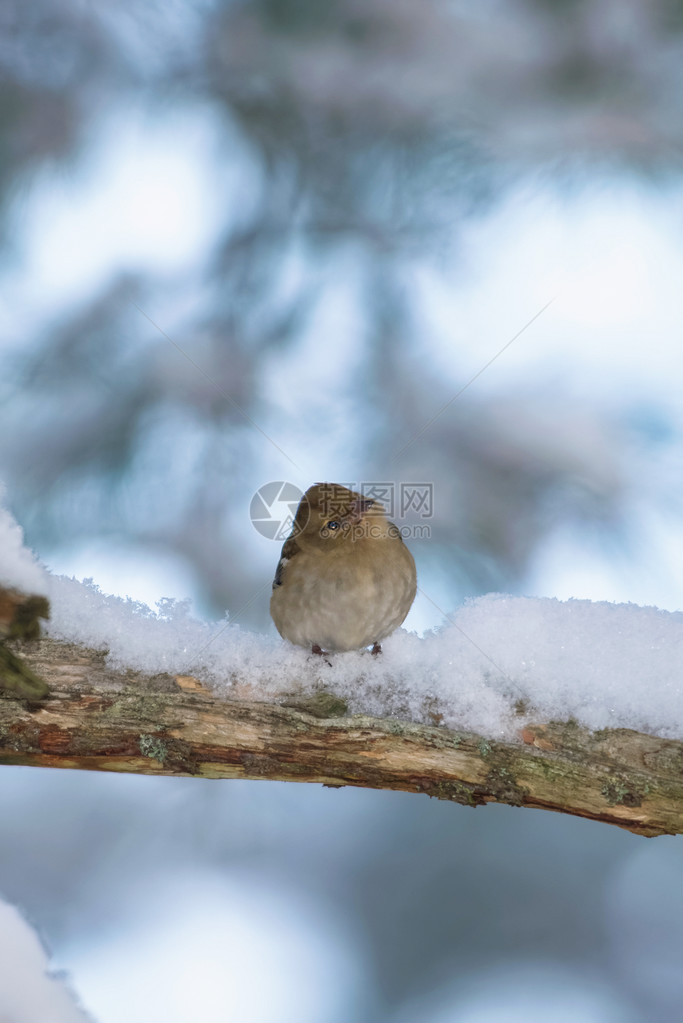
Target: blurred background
[[379, 241]]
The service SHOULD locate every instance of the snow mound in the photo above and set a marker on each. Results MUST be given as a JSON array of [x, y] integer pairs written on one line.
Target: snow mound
[[498, 662], [19, 568]]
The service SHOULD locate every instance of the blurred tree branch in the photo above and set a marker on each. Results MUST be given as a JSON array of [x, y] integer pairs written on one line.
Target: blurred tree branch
[[96, 718], [352, 143]]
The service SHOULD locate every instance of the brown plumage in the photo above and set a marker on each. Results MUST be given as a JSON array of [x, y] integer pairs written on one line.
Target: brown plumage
[[345, 579]]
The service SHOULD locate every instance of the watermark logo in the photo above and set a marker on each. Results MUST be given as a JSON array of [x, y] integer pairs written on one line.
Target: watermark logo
[[383, 493], [418, 498], [273, 508]]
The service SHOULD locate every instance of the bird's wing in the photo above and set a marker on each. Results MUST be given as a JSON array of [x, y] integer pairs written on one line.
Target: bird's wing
[[289, 548]]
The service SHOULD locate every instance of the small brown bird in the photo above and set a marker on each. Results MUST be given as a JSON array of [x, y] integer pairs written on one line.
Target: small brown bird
[[345, 578]]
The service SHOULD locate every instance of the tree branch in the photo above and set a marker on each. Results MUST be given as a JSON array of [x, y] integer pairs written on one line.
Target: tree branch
[[99, 719]]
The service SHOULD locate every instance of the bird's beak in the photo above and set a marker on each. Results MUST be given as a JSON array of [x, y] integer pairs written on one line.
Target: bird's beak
[[358, 509]]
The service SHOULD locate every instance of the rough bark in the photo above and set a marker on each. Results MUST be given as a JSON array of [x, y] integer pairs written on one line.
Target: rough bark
[[95, 718]]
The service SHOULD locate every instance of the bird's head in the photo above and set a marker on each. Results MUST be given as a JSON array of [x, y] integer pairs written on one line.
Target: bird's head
[[329, 515]]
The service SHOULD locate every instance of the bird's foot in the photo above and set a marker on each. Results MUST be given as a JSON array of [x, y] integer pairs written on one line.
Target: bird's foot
[[315, 649], [376, 649]]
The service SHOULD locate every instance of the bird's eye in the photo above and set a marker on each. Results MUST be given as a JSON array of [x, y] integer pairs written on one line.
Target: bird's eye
[[332, 525]]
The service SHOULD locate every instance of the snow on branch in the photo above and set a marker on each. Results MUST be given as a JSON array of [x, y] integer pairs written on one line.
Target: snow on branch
[[571, 706], [100, 718]]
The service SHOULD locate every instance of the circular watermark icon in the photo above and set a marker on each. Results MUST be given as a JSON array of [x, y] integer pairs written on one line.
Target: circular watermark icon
[[273, 508]]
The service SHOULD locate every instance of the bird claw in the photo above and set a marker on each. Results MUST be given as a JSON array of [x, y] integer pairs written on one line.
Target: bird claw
[[315, 649], [376, 649]]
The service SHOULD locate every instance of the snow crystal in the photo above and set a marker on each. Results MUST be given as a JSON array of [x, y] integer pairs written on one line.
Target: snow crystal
[[499, 662], [19, 568]]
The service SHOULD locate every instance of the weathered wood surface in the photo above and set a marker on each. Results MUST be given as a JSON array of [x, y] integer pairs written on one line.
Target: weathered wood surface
[[95, 718]]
